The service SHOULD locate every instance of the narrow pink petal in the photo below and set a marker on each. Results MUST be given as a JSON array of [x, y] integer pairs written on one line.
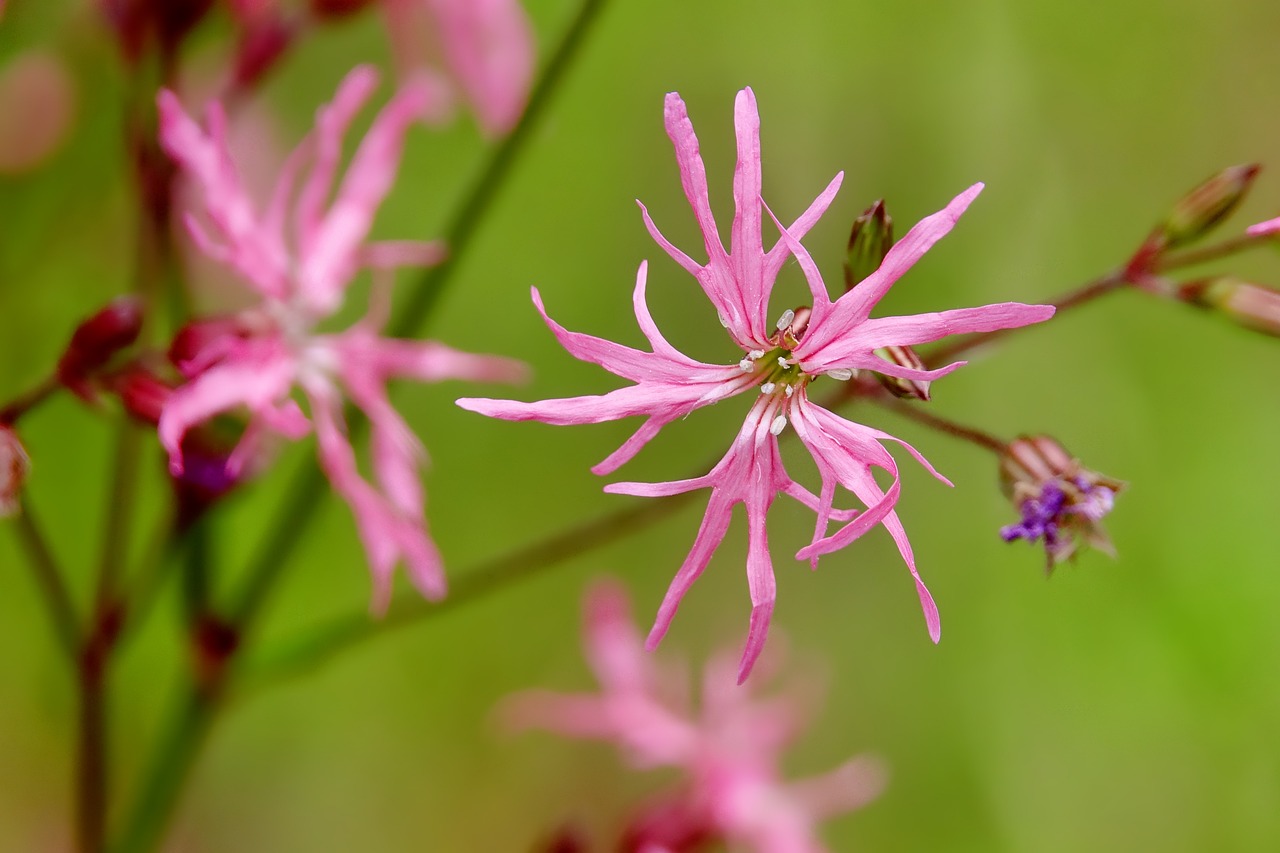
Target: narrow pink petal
[[693, 175], [715, 523], [257, 379], [777, 256], [331, 248], [650, 329], [393, 254], [332, 121], [691, 266], [746, 251], [425, 361], [663, 489], [926, 328], [854, 307], [613, 644], [253, 250], [489, 46], [760, 581], [817, 287], [633, 445], [1271, 226], [388, 534]]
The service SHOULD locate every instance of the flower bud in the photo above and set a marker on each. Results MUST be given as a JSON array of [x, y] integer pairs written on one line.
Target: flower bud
[[869, 241], [917, 389], [96, 342], [142, 393], [1254, 306], [14, 467], [1204, 207], [1061, 501]]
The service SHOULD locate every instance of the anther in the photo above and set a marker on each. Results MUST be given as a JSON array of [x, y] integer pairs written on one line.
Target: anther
[[767, 388], [778, 425], [785, 320], [841, 374]]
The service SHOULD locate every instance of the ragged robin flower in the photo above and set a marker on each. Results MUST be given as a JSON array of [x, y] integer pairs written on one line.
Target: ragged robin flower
[[299, 256], [728, 748], [780, 355]]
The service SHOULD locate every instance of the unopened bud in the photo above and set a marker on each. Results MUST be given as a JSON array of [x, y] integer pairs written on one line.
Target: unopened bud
[[14, 466], [1254, 306], [869, 241], [96, 342], [917, 389], [1197, 212], [142, 393]]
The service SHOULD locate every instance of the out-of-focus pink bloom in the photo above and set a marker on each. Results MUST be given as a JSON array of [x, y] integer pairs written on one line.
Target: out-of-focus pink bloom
[[1262, 229], [299, 255], [485, 47], [779, 361], [729, 747], [37, 109], [14, 467]]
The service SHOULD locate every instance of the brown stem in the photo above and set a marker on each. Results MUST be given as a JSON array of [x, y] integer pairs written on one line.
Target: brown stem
[[49, 578], [944, 425], [28, 400]]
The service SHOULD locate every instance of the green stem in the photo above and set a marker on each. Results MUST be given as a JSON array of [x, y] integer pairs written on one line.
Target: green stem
[[49, 579], [474, 584], [467, 222], [174, 756], [29, 400]]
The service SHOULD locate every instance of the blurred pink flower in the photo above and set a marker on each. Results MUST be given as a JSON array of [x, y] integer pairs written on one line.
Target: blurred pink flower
[[729, 748], [38, 107], [485, 47], [779, 361], [1262, 229], [300, 274]]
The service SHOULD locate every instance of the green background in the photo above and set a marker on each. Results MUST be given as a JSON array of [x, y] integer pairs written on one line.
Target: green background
[[1117, 706]]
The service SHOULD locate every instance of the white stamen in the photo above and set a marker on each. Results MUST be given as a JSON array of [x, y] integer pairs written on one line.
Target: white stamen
[[724, 321], [782, 361], [841, 374], [789, 389], [778, 425], [767, 388], [747, 365], [785, 319], [755, 353]]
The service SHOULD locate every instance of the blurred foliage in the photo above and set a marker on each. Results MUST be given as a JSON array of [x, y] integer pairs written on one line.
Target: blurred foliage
[[1118, 706]]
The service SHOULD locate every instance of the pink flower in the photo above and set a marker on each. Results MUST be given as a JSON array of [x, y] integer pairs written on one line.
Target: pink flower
[[1262, 229], [778, 362], [485, 47], [300, 273], [729, 748]]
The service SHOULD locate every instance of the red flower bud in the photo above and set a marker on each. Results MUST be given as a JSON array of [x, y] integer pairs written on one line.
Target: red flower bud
[[96, 342]]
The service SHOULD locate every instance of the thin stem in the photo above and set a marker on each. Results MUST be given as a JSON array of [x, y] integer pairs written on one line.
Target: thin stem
[[29, 400], [1074, 298], [1228, 247], [973, 435], [527, 561], [49, 579], [467, 222], [175, 754]]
